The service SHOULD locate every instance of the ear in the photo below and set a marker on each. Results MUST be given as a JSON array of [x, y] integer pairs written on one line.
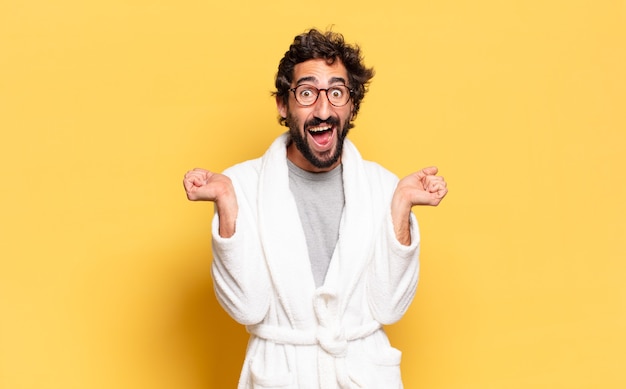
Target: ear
[[282, 108]]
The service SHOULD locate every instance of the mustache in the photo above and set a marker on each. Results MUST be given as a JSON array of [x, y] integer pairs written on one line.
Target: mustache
[[332, 121]]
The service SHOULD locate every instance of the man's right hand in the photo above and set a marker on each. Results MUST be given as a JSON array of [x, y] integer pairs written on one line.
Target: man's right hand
[[204, 185]]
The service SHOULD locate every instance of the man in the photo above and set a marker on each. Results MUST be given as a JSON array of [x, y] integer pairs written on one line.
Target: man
[[315, 248]]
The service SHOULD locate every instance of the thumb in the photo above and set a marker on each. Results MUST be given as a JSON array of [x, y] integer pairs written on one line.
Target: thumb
[[427, 171]]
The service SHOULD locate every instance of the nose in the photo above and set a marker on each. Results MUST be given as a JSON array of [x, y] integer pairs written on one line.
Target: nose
[[322, 107]]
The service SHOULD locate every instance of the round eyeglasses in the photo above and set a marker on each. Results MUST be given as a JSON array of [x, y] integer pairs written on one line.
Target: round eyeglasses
[[307, 95]]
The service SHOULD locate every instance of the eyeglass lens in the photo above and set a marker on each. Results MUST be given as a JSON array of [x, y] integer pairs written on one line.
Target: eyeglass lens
[[308, 94]]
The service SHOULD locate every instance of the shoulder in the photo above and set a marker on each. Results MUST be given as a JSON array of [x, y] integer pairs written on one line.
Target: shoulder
[[245, 175], [251, 169], [380, 174], [374, 171], [244, 169]]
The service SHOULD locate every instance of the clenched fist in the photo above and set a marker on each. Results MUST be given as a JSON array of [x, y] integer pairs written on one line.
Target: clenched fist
[[204, 185], [423, 187]]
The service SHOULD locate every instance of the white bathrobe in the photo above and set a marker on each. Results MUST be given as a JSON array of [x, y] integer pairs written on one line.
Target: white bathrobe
[[302, 336]]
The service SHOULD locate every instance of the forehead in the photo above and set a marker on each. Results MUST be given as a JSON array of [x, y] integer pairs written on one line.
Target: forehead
[[318, 71]]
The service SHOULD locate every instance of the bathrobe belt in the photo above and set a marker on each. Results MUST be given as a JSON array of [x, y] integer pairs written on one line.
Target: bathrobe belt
[[329, 335], [333, 341]]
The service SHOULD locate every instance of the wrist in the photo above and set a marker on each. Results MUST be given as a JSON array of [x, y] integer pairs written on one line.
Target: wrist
[[227, 209], [400, 216]]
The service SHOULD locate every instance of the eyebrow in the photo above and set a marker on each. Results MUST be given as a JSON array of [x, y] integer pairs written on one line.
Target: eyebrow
[[333, 80]]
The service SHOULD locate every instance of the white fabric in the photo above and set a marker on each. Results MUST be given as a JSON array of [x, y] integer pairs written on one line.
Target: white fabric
[[302, 336]]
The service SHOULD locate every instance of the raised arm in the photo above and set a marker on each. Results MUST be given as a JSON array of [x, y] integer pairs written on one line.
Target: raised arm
[[204, 185], [420, 188], [240, 277]]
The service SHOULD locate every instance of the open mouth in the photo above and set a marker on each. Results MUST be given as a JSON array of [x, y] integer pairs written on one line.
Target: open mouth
[[322, 135]]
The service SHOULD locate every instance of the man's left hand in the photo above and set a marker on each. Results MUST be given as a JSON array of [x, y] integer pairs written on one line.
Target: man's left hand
[[424, 187]]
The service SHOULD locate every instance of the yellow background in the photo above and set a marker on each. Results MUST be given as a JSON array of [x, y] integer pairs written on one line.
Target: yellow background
[[104, 265]]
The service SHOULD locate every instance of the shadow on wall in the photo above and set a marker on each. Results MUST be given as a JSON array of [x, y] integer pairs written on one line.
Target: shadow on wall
[[213, 342]]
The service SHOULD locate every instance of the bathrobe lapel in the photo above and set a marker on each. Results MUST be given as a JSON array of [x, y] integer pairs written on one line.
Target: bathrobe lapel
[[356, 236], [282, 237]]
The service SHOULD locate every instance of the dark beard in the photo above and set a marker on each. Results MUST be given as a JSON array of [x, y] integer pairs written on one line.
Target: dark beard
[[302, 144]]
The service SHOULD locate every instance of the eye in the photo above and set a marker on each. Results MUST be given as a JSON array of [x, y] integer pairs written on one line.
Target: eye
[[335, 93], [307, 92]]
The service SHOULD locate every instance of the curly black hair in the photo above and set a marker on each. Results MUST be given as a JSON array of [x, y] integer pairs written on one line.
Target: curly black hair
[[330, 46]]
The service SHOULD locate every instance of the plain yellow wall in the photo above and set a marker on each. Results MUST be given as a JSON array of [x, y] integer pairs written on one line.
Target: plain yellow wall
[[104, 265]]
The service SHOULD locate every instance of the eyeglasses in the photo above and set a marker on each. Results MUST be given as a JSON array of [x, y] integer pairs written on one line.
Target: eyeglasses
[[307, 95]]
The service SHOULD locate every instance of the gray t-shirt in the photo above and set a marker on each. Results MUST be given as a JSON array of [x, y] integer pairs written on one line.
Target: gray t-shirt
[[320, 201]]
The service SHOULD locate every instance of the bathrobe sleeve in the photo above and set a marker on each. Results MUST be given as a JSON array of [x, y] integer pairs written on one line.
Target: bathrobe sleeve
[[393, 274], [240, 276]]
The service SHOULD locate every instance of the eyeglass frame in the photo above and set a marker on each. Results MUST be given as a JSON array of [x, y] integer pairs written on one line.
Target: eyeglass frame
[[325, 90]]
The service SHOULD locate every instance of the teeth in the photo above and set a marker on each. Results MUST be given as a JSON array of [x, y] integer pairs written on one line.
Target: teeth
[[319, 129]]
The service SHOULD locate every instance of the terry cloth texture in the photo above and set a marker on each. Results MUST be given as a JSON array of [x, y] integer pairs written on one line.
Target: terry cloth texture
[[303, 336]]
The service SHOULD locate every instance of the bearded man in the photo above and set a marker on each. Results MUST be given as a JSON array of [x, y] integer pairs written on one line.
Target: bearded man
[[314, 248]]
